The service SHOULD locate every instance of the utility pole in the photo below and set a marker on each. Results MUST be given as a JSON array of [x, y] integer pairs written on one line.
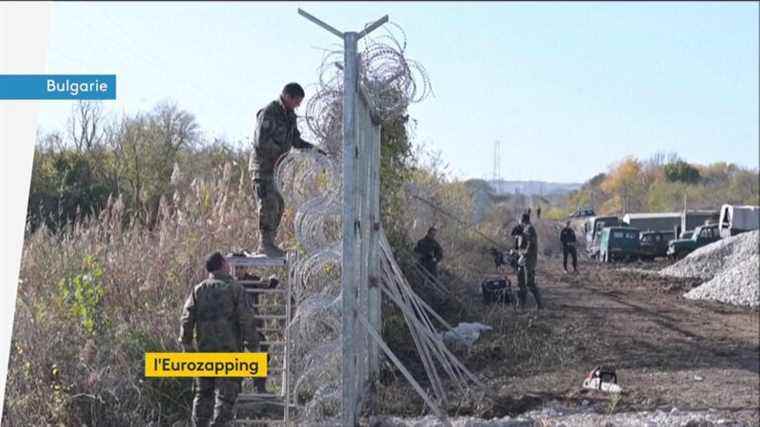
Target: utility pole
[[496, 176]]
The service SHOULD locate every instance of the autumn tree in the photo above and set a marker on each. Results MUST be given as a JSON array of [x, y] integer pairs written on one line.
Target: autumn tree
[[625, 182], [147, 147], [681, 171]]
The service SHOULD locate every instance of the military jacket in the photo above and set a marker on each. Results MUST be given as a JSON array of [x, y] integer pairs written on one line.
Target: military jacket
[[217, 313], [529, 243], [275, 134], [428, 249], [567, 236]]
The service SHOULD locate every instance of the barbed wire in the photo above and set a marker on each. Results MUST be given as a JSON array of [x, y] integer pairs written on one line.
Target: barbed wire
[[313, 185]]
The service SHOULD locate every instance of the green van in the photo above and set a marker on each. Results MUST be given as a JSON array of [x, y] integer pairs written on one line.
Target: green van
[[619, 243]]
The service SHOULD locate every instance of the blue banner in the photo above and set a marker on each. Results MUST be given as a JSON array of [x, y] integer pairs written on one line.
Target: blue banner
[[58, 86]]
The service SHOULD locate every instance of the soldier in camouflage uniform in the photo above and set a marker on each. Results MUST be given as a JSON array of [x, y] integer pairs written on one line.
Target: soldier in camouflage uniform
[[217, 313], [526, 271], [275, 134]]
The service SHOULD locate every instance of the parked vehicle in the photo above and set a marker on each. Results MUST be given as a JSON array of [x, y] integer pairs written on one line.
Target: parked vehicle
[[654, 244], [661, 221], [592, 228], [738, 219], [694, 218], [619, 243], [582, 213], [703, 235]]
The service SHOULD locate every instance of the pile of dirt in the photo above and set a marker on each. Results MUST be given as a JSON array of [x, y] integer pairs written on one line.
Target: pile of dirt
[[729, 268]]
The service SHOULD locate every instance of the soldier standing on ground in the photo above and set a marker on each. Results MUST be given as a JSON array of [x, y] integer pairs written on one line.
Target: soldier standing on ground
[[526, 271], [217, 314], [567, 237], [430, 252], [275, 134]]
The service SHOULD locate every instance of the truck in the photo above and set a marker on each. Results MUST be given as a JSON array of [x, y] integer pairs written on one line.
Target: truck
[[692, 219], [582, 212], [702, 235], [660, 221], [736, 219], [592, 229], [619, 243]]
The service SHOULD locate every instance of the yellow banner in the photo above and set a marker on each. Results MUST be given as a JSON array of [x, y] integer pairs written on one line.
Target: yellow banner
[[206, 365]]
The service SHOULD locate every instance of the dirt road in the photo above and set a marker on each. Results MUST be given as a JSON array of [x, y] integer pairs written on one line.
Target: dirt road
[[668, 351]]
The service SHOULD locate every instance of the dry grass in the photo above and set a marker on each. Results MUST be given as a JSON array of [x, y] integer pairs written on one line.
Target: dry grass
[[99, 294]]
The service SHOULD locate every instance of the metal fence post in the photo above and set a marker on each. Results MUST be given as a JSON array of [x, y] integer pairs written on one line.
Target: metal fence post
[[360, 236], [349, 227]]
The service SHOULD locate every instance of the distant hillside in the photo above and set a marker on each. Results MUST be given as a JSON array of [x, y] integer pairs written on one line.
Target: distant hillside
[[532, 187]]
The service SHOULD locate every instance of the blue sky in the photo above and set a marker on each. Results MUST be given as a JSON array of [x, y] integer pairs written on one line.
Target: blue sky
[[568, 87]]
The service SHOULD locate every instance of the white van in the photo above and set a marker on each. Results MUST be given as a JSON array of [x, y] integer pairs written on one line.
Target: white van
[[737, 219]]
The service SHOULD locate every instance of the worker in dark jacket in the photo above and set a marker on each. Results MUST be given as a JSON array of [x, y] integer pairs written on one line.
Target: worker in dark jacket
[[430, 252], [567, 237]]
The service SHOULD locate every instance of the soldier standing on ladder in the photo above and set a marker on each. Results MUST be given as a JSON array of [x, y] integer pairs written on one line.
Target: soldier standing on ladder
[[275, 134]]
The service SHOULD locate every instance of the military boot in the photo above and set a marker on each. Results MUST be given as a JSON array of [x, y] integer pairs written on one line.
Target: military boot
[[268, 247]]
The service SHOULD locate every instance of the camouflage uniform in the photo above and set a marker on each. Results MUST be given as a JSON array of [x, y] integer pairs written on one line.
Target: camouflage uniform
[[526, 273], [275, 134], [430, 253], [216, 311]]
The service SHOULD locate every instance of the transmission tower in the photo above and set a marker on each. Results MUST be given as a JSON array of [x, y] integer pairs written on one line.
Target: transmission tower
[[496, 177]]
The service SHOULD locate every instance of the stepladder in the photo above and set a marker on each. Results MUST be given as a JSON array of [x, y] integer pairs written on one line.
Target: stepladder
[[267, 284]]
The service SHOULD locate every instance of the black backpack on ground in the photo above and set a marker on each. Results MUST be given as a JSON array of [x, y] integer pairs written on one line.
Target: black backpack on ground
[[497, 291]]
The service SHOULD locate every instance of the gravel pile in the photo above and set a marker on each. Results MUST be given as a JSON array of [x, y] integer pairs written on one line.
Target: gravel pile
[[738, 285], [709, 261], [553, 417], [729, 268]]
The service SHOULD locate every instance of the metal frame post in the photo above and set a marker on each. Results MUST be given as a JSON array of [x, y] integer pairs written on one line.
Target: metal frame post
[[360, 214], [350, 152], [375, 297]]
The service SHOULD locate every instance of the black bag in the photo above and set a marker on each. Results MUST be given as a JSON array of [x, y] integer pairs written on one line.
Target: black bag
[[497, 291]]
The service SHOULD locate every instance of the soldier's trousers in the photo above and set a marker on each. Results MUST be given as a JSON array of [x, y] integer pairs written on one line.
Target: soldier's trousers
[[221, 403], [526, 279], [430, 266], [569, 250], [269, 203]]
